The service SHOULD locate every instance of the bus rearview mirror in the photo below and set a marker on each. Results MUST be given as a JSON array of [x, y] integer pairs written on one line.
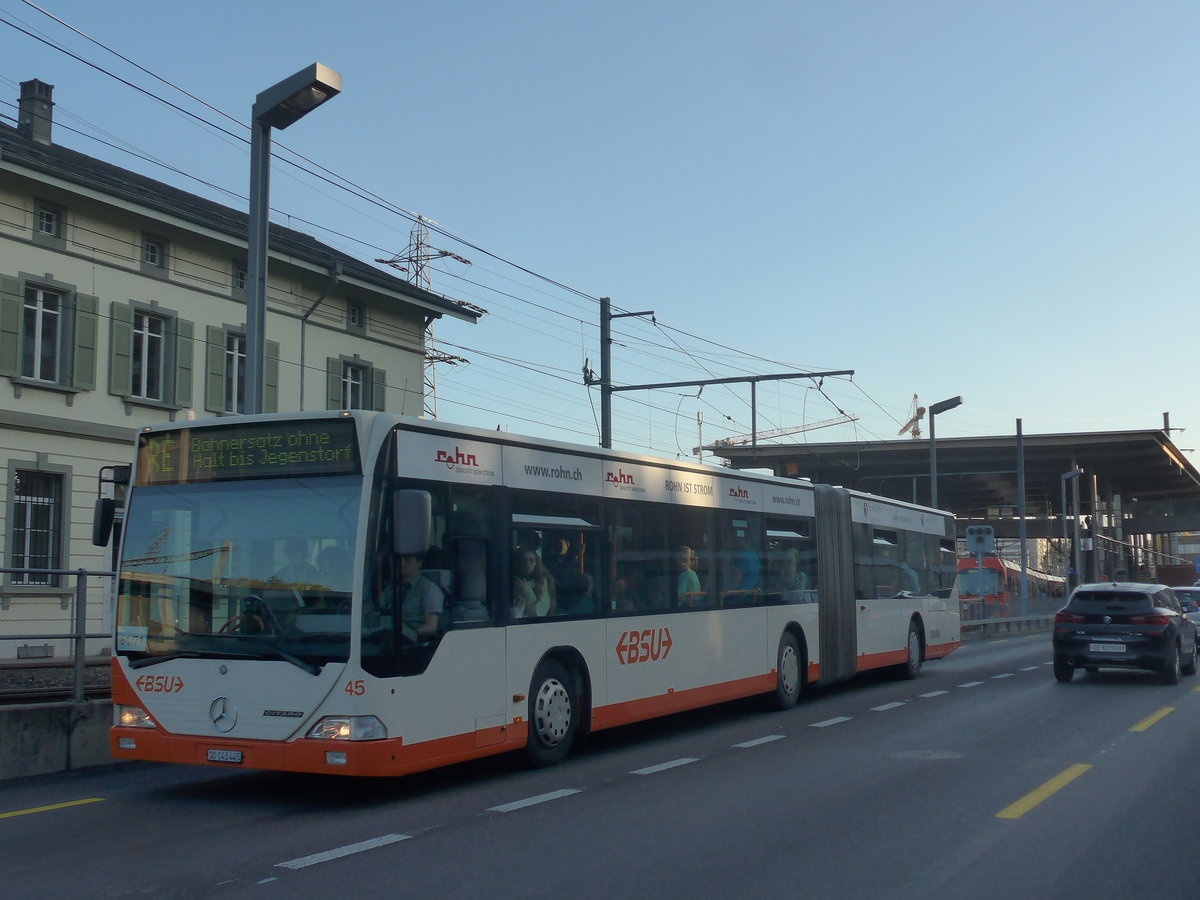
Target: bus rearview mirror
[[411, 512]]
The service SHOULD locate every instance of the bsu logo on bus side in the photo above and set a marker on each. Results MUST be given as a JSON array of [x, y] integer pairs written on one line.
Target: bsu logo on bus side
[[644, 646]]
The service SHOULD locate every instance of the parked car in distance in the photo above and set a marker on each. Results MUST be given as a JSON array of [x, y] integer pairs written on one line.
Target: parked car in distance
[[1189, 599], [1125, 625]]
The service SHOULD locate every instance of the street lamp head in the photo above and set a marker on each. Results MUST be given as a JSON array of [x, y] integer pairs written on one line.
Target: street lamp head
[[943, 405], [282, 104]]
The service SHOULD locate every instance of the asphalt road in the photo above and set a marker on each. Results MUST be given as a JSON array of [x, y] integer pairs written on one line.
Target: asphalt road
[[983, 778]]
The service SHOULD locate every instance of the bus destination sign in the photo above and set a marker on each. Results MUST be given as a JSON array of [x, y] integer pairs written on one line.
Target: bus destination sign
[[239, 452]]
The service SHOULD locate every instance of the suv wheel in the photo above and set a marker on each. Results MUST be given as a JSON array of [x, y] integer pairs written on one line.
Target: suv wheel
[[1063, 670], [1189, 665], [1169, 674]]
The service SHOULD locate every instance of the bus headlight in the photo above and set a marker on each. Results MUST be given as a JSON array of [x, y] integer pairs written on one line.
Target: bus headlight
[[133, 717], [348, 728]]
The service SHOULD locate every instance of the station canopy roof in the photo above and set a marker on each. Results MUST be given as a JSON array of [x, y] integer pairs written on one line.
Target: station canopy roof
[[977, 476]]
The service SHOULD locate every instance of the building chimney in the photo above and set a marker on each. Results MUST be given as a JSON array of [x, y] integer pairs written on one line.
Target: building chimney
[[36, 115]]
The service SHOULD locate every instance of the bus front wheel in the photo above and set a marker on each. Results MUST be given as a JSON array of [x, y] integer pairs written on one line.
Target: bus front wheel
[[553, 714]]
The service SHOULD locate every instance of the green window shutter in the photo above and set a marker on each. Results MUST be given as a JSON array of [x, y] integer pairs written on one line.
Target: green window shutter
[[87, 324], [10, 325], [184, 332], [271, 378], [333, 383], [378, 388], [214, 375], [120, 345]]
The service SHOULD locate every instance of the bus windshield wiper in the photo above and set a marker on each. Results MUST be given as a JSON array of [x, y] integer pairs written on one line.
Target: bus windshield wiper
[[294, 660], [181, 654], [271, 650]]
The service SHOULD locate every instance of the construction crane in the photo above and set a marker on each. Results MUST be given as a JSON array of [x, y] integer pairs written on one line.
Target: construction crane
[[780, 432], [917, 413]]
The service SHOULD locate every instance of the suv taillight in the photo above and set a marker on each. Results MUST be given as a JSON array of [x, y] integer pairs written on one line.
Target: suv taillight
[[1066, 618], [1150, 620]]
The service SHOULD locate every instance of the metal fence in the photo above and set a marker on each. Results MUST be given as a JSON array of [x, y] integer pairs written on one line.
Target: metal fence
[[50, 628]]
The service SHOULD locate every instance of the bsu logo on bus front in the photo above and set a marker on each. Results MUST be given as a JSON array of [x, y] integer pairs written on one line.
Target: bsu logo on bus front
[[644, 646]]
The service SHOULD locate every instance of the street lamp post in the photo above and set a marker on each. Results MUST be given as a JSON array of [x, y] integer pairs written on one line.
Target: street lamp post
[[1063, 479], [939, 407], [276, 107]]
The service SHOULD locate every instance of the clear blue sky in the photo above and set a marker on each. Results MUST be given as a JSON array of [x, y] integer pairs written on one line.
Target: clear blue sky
[[992, 199]]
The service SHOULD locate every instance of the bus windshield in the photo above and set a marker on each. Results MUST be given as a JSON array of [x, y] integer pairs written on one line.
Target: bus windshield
[[250, 569]]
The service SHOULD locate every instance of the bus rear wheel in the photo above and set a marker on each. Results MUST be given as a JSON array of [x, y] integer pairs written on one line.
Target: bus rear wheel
[[789, 672], [553, 714]]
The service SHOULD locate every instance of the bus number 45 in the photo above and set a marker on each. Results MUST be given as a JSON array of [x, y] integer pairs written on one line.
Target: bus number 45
[[357, 687]]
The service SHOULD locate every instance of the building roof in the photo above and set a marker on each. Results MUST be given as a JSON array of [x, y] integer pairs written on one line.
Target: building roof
[[976, 475], [88, 172]]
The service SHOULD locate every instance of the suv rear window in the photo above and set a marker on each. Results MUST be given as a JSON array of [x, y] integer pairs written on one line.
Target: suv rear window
[[1114, 600]]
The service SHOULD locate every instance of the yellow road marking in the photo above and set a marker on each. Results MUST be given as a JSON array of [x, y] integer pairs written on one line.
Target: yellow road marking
[[1051, 787], [1150, 720], [38, 809]]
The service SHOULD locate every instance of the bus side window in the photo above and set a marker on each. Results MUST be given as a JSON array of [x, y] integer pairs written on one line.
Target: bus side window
[[469, 601]]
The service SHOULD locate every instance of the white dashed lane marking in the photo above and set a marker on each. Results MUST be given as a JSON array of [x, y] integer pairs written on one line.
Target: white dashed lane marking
[[662, 767], [887, 706], [838, 721], [339, 852], [759, 741], [934, 694], [533, 801], [971, 684]]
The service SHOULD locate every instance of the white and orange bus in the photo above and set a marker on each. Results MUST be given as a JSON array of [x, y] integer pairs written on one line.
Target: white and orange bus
[[372, 594]]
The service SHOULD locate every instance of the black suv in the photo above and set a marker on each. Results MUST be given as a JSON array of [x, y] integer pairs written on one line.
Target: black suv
[[1133, 626]]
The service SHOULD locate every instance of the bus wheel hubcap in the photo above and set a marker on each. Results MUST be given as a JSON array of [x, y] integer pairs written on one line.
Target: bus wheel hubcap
[[789, 670], [552, 712]]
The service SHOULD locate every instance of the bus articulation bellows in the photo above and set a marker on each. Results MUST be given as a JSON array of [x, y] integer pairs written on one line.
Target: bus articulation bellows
[[371, 594]]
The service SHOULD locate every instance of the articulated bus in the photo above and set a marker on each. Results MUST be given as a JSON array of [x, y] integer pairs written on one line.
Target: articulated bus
[[987, 586], [372, 594]]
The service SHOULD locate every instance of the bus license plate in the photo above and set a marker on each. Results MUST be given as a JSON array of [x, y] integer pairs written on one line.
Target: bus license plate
[[226, 756], [1107, 648]]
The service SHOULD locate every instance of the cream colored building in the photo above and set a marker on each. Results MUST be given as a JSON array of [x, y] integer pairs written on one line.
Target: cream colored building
[[122, 303]]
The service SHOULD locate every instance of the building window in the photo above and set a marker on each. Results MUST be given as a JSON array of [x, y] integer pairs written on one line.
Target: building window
[[154, 256], [239, 276], [225, 371], [36, 526], [149, 356], [354, 390], [153, 253], [354, 384], [47, 334], [49, 221], [41, 338], [356, 317], [235, 373]]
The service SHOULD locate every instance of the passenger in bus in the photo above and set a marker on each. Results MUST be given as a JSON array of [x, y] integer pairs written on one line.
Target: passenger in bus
[[746, 570], [298, 569], [421, 601], [788, 576], [533, 587], [687, 582], [572, 585]]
